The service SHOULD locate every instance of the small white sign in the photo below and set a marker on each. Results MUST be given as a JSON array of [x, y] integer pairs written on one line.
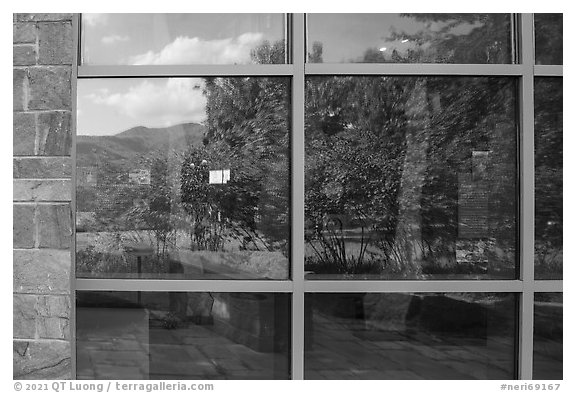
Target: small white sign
[[219, 176]]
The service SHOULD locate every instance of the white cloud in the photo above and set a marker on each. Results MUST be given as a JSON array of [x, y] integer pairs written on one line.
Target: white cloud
[[94, 19], [152, 104], [186, 50], [112, 39]]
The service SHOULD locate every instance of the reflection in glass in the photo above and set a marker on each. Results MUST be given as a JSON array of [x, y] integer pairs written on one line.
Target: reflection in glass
[[182, 335], [548, 330], [410, 38], [183, 178], [548, 29], [170, 39], [410, 336], [410, 177], [548, 177]]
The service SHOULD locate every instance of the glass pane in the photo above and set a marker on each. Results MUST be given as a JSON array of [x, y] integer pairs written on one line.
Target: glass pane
[[169, 39], [411, 177], [182, 335], [548, 328], [410, 38], [410, 336], [548, 177], [183, 178], [548, 32]]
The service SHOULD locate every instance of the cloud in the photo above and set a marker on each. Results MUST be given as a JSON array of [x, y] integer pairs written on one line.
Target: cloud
[[152, 104], [112, 39], [186, 50], [94, 19]]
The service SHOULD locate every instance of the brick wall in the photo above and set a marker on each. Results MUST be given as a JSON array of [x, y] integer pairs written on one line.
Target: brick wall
[[43, 54]]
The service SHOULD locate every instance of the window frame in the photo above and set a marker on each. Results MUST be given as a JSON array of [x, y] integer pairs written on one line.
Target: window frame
[[523, 69]]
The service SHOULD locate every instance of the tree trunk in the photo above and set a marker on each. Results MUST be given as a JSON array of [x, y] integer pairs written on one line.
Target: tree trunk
[[408, 239]]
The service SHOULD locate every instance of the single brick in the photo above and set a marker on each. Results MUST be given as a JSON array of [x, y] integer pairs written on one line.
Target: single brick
[[42, 190], [41, 271], [24, 316], [54, 317], [23, 226], [50, 88], [54, 226], [43, 17], [19, 81], [24, 55], [24, 33], [55, 133], [55, 43], [48, 359], [42, 168], [41, 316], [24, 133]]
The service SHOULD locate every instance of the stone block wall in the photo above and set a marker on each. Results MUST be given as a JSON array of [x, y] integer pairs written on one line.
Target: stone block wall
[[43, 54]]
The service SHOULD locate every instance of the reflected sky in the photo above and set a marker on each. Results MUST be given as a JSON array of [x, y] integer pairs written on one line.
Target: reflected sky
[[109, 106], [346, 37], [152, 39]]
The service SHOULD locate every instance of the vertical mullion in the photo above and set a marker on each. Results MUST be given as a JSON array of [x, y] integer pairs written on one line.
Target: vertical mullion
[[298, 196], [73, 89], [527, 198]]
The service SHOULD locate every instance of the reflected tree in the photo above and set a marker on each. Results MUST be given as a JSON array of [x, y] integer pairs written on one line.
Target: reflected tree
[[548, 176], [384, 163], [388, 159], [247, 133]]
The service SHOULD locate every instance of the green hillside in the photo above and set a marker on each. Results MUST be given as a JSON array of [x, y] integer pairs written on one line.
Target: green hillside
[[136, 142]]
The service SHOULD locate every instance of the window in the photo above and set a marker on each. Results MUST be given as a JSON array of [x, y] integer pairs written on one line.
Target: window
[[410, 38], [267, 196], [548, 177]]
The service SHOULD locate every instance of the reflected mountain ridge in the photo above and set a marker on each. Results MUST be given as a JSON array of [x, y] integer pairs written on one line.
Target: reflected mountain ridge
[[191, 201], [129, 143]]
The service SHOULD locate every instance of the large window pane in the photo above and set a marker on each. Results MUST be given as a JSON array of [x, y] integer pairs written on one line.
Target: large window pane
[[410, 336], [411, 177], [182, 335], [548, 178], [410, 38], [169, 39], [183, 178], [548, 328], [548, 36]]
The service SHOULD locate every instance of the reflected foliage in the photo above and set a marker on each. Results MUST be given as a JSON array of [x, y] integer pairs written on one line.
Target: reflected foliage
[[548, 177], [247, 132], [548, 30], [207, 199], [389, 161]]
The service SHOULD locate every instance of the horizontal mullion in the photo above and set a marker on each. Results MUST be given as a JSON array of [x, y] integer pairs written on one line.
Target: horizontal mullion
[[87, 284], [413, 286], [413, 69], [548, 70], [144, 71], [548, 286]]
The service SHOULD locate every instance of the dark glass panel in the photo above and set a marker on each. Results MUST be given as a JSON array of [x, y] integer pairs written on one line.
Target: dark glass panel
[[183, 178], [548, 329], [410, 38], [548, 35], [410, 336], [171, 39], [182, 335], [411, 177], [548, 178]]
